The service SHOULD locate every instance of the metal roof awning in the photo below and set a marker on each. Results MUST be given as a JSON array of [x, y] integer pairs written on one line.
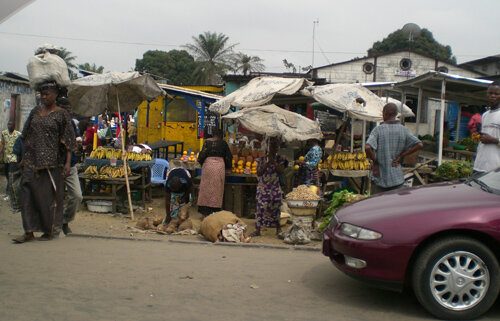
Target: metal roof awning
[[458, 88], [445, 87]]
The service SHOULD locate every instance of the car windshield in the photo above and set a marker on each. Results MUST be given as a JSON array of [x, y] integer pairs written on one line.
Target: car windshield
[[489, 181]]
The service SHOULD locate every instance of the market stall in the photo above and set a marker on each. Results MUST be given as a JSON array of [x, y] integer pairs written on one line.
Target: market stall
[[116, 92]]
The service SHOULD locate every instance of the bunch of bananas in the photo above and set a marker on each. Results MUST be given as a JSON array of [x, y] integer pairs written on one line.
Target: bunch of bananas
[[138, 157], [350, 161], [108, 153], [91, 170], [114, 172], [107, 172]]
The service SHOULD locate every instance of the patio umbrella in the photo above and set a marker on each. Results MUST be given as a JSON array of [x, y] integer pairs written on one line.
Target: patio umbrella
[[273, 121], [353, 99], [117, 92]]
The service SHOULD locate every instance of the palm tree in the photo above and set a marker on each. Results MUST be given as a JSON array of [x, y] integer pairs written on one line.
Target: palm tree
[[247, 64], [92, 68], [213, 56], [68, 58]]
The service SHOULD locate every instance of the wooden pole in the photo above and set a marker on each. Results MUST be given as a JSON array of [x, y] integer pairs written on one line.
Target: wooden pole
[[124, 157], [441, 122]]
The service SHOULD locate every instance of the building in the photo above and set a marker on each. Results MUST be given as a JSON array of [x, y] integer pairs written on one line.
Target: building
[[488, 66], [17, 98], [390, 67]]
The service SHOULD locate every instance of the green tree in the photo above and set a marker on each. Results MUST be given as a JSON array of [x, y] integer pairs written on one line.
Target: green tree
[[91, 67], [68, 58], [176, 66], [247, 64], [213, 56], [290, 66], [423, 43]]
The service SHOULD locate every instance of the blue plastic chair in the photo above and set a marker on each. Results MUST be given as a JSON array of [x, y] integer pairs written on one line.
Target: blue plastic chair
[[158, 171]]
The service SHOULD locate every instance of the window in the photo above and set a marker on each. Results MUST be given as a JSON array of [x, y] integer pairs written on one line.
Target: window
[[405, 64], [368, 68], [443, 69]]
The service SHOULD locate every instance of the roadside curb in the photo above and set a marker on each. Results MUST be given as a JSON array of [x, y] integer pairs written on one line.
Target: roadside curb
[[247, 245]]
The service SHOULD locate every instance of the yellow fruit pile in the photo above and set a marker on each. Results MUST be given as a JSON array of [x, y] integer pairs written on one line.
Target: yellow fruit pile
[[107, 172], [108, 153], [350, 161], [250, 167]]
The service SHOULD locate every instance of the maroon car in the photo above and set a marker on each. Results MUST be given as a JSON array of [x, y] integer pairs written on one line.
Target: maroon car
[[442, 240]]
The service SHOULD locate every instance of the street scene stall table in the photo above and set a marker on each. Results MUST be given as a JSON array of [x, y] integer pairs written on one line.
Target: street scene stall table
[[161, 148]]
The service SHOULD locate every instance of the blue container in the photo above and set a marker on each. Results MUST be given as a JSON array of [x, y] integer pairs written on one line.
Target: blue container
[[197, 172]]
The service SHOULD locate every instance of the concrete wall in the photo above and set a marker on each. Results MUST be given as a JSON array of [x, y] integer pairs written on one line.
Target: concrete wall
[[387, 69], [26, 99]]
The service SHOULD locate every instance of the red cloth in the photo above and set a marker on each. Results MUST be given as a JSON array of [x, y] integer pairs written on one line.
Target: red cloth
[[89, 137]]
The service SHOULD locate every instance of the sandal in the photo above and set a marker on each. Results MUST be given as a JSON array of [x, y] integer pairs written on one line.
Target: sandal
[[23, 239], [254, 234], [46, 237]]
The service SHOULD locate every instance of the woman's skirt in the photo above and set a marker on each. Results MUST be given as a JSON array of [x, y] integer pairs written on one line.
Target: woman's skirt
[[213, 177], [42, 199]]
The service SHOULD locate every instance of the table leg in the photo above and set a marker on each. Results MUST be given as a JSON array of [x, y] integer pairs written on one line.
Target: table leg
[[113, 193]]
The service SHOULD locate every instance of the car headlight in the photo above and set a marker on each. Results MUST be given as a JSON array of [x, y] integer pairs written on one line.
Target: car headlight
[[359, 233], [333, 222]]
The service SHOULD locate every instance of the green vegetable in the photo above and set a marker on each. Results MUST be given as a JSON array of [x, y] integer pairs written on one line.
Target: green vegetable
[[454, 170], [339, 199]]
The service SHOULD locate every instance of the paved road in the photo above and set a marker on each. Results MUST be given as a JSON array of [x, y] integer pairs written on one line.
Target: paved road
[[76, 278]]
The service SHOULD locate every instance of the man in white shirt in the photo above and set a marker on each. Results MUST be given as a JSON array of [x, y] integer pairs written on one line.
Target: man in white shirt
[[488, 151]]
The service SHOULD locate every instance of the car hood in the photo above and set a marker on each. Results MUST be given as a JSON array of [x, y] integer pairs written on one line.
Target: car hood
[[429, 200]]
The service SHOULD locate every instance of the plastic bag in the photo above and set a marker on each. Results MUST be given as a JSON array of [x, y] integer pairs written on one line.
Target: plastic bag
[[48, 67], [297, 234]]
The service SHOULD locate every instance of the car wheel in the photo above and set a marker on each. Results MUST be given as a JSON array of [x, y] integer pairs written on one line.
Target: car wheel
[[456, 278]]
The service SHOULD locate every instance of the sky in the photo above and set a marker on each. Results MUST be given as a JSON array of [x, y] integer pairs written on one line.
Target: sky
[[114, 33]]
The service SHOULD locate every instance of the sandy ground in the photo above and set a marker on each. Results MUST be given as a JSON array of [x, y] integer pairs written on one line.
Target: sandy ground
[[121, 225]]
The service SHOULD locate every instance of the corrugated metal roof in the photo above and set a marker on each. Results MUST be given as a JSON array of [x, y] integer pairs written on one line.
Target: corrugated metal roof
[[171, 89]]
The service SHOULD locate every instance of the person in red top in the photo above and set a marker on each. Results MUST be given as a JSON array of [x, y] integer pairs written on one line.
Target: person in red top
[[88, 142]]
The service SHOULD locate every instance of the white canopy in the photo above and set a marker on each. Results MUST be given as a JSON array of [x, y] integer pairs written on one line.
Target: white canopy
[[273, 121], [258, 92], [353, 99]]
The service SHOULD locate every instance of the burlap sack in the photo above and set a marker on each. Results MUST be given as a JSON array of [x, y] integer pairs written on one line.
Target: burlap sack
[[212, 225]]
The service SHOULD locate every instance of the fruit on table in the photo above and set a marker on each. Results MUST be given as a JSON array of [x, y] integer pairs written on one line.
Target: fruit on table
[[350, 161], [301, 158], [296, 167]]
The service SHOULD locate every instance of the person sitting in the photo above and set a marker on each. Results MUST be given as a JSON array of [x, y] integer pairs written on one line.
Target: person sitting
[[177, 199]]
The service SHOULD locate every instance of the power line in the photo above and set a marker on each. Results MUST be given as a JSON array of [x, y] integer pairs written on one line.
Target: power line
[[160, 44], [177, 46]]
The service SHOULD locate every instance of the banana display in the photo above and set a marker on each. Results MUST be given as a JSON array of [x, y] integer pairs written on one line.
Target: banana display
[[107, 172], [108, 153], [350, 161]]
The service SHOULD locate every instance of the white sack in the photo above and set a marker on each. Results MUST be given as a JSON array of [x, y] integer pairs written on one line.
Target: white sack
[[47, 67]]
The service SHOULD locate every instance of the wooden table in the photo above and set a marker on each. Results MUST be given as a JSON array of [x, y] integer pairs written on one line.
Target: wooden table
[[162, 148], [350, 175], [116, 185], [458, 153]]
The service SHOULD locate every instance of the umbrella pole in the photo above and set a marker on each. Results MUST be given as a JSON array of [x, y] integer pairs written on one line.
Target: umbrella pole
[[124, 157]]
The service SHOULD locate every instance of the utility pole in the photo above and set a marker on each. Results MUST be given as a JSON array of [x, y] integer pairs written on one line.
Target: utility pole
[[314, 30]]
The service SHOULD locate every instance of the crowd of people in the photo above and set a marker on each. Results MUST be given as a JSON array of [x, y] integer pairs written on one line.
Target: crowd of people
[[40, 165]]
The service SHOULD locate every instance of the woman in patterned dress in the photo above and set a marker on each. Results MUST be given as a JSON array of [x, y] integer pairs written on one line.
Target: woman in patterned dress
[[48, 139], [269, 192]]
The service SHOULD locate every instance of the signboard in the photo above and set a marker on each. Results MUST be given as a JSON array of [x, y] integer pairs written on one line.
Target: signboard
[[405, 73], [211, 121]]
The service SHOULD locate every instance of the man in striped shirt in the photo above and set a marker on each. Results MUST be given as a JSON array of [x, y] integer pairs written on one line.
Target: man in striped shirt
[[387, 145]]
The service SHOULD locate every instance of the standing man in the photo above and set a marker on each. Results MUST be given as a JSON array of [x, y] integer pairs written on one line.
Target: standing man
[[488, 151], [72, 182], [387, 145], [9, 137]]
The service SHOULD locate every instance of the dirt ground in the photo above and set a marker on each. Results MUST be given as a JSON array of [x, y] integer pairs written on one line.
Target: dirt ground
[[121, 225]]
